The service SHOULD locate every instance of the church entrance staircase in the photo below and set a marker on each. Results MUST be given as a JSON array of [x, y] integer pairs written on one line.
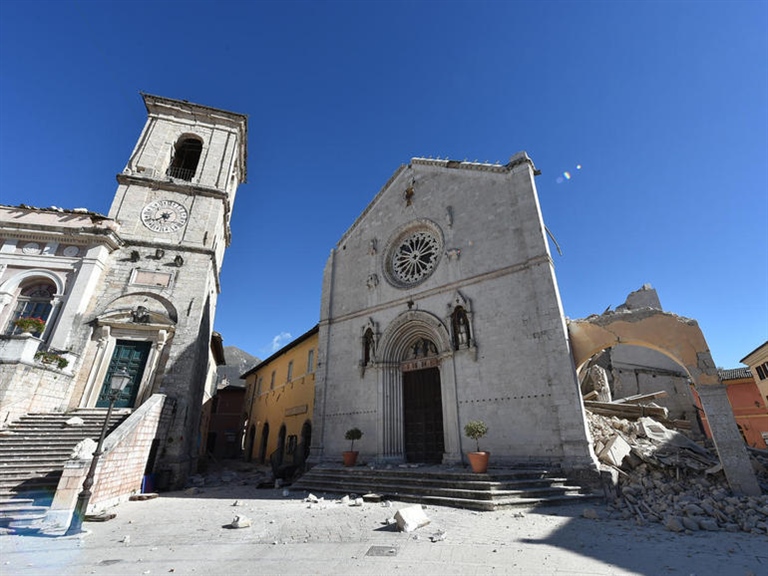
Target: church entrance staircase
[[33, 451], [448, 486]]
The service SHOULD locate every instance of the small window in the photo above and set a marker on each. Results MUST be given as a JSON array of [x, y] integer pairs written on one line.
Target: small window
[[290, 370], [762, 371], [311, 361], [186, 155], [258, 386], [272, 381]]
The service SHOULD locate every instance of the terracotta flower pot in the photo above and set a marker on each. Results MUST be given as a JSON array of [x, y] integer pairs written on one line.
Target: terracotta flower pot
[[350, 458], [478, 461]]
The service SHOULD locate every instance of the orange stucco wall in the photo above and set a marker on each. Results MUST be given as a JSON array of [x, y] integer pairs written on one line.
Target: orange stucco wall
[[749, 409]]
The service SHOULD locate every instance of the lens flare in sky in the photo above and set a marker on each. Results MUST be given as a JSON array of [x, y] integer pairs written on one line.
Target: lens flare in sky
[[566, 175]]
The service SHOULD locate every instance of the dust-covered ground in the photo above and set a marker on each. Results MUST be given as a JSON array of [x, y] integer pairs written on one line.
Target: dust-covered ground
[[189, 532]]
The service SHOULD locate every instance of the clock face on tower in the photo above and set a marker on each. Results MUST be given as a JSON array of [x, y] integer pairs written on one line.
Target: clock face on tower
[[164, 216]]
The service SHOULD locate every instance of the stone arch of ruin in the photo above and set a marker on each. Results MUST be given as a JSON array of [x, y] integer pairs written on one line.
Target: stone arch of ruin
[[676, 337], [681, 340]]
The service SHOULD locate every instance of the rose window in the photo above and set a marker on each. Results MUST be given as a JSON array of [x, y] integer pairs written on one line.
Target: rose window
[[413, 257]]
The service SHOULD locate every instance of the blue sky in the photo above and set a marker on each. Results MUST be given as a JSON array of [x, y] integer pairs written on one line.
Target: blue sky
[[664, 105]]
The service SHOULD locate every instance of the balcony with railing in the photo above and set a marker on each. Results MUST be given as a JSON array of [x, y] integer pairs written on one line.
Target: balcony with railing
[[180, 173]]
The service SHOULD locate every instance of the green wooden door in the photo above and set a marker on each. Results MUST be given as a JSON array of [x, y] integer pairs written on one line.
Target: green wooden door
[[132, 357]]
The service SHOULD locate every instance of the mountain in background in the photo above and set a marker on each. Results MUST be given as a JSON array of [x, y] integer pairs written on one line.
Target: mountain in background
[[238, 363]]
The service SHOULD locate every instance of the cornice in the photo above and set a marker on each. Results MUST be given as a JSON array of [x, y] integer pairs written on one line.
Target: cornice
[[171, 185]]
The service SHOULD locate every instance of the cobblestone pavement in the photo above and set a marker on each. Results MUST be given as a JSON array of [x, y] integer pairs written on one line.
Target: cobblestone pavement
[[185, 533]]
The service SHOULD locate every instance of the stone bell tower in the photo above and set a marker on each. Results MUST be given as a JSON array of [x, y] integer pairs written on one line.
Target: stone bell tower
[[154, 316]]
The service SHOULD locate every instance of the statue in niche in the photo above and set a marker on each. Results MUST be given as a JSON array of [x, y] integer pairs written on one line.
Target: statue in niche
[[368, 347], [140, 315], [460, 324]]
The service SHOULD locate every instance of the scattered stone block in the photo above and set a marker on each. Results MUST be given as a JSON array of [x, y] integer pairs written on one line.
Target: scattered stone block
[[241, 522], [707, 524], [372, 497], [84, 449], [75, 421], [411, 518], [590, 513], [693, 510], [674, 524], [691, 524], [142, 497], [437, 536]]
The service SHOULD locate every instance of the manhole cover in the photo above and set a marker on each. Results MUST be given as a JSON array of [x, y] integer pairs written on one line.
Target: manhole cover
[[381, 551]]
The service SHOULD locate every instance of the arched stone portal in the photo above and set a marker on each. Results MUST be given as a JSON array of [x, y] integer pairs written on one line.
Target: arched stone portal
[[681, 340], [416, 392]]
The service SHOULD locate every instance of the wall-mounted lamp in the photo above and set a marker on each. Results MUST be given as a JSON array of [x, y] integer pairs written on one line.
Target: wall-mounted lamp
[[135, 256], [159, 253], [179, 261]]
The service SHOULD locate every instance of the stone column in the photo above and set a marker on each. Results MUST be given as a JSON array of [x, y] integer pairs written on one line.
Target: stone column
[[391, 447], [728, 441]]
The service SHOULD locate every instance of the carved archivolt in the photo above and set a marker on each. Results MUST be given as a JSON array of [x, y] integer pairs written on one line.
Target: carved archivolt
[[397, 341]]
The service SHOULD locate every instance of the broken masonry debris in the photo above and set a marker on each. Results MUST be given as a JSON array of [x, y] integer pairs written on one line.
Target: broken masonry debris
[[411, 518], [240, 522]]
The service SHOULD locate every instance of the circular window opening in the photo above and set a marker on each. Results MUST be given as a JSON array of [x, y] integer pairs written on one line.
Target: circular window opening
[[413, 255]]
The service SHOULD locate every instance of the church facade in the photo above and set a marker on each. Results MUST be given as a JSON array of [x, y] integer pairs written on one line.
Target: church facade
[[440, 306], [134, 291]]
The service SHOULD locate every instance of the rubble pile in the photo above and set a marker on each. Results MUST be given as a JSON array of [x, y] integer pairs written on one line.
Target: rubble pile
[[662, 476]]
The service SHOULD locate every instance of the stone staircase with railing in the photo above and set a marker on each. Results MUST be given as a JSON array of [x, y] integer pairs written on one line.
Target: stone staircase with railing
[[33, 451], [449, 486]]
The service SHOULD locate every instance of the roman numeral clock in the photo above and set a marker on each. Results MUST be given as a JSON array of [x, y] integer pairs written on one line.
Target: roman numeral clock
[[164, 216]]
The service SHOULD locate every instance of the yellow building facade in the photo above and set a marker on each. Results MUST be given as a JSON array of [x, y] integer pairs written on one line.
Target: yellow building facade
[[279, 403]]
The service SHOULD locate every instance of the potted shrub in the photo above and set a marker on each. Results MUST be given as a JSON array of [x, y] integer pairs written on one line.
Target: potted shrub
[[30, 325], [350, 456], [476, 429]]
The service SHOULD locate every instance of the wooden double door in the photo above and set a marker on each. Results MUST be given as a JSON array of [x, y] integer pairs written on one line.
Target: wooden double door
[[423, 416]]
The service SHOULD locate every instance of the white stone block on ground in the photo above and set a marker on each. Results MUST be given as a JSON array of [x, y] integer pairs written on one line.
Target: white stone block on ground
[[411, 518], [241, 522]]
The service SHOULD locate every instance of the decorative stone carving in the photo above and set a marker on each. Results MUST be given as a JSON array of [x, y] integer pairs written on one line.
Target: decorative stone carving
[[460, 320], [372, 281], [369, 342], [413, 253], [31, 248], [453, 253], [140, 315]]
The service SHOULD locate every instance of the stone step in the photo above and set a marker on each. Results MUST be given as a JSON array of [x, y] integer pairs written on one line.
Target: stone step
[[38, 497], [22, 465], [33, 451], [445, 487], [42, 477]]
